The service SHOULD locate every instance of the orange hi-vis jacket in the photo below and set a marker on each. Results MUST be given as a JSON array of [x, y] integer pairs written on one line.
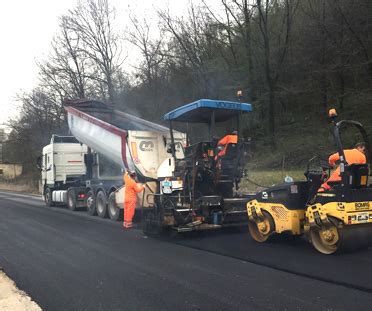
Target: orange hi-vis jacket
[[352, 156], [131, 188], [228, 139], [130, 199]]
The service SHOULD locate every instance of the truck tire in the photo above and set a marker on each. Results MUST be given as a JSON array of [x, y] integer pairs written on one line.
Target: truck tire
[[91, 203], [48, 197], [71, 199], [101, 204], [114, 212]]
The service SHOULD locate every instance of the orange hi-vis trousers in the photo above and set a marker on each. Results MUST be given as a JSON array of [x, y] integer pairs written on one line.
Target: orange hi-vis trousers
[[129, 210]]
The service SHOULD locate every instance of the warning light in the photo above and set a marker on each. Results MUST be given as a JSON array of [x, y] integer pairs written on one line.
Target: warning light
[[332, 113], [239, 94]]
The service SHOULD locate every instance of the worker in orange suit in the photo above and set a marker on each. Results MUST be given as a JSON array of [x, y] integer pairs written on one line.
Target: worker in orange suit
[[352, 156], [130, 197], [225, 141]]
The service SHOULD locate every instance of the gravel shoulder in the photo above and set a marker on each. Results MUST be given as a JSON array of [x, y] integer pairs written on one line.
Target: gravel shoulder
[[11, 298]]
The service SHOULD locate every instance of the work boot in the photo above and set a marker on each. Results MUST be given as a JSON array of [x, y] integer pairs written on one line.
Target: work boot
[[127, 225]]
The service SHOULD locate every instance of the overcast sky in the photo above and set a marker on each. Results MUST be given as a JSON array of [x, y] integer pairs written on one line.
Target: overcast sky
[[26, 30]]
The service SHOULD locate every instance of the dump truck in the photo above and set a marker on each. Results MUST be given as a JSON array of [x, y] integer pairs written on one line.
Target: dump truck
[[70, 165]]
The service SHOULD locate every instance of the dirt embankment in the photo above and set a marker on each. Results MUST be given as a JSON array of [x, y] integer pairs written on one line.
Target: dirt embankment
[[11, 298], [18, 187]]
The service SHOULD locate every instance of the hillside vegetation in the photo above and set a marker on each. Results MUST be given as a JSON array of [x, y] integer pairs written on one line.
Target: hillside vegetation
[[292, 59], [312, 134]]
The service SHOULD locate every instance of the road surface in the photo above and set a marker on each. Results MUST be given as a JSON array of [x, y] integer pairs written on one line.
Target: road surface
[[72, 261]]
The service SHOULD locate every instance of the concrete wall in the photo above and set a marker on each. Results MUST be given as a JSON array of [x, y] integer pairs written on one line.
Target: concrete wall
[[10, 171]]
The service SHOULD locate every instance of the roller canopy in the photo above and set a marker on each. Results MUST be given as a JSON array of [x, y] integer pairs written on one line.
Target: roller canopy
[[201, 111]]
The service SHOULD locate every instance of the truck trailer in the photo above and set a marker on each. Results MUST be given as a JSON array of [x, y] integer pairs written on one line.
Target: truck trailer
[[70, 165]]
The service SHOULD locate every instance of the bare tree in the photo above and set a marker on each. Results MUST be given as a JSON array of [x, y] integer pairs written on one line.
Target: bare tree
[[358, 26], [92, 22], [41, 115], [242, 12], [150, 49], [192, 40], [65, 71], [274, 54], [151, 67]]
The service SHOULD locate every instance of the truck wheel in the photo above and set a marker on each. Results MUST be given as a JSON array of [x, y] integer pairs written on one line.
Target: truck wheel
[[48, 197], [71, 199], [114, 212], [91, 203], [101, 204]]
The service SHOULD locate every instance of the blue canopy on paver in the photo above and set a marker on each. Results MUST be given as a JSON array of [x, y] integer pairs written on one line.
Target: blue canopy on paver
[[201, 111]]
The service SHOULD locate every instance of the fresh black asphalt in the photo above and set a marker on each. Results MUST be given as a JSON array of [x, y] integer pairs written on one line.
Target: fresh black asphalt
[[71, 261]]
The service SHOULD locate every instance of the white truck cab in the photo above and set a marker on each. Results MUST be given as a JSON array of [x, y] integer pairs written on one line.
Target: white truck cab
[[62, 162]]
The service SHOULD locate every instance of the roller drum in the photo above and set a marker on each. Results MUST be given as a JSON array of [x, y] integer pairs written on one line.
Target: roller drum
[[332, 238]]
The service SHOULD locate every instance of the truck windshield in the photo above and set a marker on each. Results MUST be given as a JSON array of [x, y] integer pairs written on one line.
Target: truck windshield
[[64, 139]]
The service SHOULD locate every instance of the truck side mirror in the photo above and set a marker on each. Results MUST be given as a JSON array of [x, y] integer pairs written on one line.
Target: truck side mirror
[[88, 159], [169, 148], [39, 163]]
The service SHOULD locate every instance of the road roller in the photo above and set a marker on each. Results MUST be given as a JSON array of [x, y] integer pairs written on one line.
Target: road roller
[[334, 220]]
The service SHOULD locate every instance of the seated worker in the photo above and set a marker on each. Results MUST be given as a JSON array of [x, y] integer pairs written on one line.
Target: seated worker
[[352, 156], [224, 142]]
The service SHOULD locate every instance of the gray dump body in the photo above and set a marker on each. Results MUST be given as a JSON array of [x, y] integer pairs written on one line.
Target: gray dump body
[[132, 142]]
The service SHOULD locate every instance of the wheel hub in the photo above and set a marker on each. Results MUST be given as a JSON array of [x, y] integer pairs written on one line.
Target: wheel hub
[[263, 227], [329, 235], [89, 202]]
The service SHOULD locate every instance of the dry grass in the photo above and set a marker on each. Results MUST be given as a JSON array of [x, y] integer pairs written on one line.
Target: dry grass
[[257, 180]]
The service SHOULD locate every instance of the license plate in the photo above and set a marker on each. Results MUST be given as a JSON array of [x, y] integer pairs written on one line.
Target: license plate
[[363, 217], [167, 183], [167, 187]]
